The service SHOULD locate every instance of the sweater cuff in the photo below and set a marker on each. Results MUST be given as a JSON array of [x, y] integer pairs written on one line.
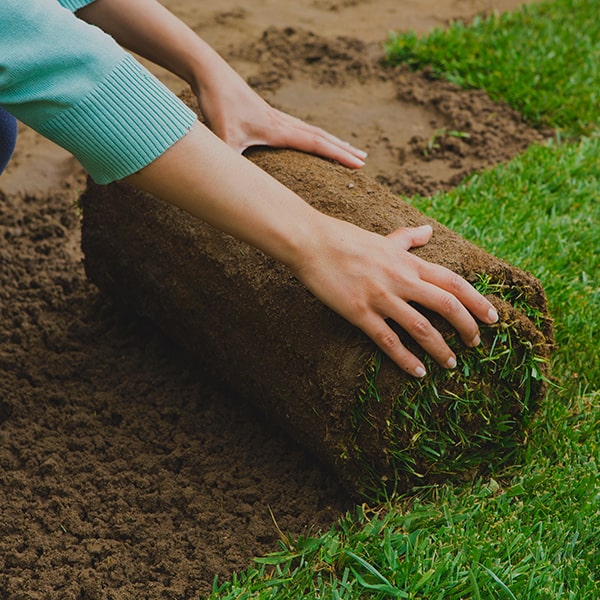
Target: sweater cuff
[[125, 123], [74, 5]]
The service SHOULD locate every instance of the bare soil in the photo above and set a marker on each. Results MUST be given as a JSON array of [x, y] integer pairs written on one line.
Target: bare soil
[[125, 471]]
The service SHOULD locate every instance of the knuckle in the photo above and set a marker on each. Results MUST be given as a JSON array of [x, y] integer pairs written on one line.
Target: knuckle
[[320, 143], [449, 305], [456, 283], [317, 131], [359, 309], [387, 340], [316, 139], [421, 327]]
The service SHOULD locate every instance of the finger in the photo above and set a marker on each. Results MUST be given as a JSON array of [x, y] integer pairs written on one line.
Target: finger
[[389, 342], [424, 333], [316, 143], [412, 237], [312, 139], [466, 295], [319, 131], [451, 308], [342, 144]]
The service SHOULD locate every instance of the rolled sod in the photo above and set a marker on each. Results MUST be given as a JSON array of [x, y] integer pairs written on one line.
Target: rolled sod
[[243, 317]]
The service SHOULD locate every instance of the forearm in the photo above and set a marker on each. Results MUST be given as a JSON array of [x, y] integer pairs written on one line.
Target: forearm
[[150, 30], [205, 177]]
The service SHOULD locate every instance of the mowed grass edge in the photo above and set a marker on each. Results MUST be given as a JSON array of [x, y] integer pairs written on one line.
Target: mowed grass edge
[[531, 532]]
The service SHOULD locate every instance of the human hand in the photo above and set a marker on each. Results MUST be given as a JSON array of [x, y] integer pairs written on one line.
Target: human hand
[[241, 118], [368, 278]]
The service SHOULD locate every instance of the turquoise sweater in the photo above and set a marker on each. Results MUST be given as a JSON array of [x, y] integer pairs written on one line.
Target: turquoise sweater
[[76, 86]]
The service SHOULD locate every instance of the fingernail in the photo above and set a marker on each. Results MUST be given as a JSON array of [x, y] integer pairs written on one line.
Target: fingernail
[[358, 162], [420, 372], [492, 315], [361, 153], [451, 363], [475, 341]]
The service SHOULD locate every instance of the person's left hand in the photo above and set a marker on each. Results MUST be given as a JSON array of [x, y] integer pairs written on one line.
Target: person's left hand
[[241, 118]]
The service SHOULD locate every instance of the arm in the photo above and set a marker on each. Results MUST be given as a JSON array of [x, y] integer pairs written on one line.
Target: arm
[[76, 86], [232, 109], [363, 276]]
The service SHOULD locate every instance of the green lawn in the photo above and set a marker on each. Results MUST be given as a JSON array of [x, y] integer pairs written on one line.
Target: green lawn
[[544, 60], [531, 531]]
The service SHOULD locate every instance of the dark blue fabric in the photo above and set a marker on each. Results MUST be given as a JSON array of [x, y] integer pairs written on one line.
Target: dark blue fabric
[[8, 137]]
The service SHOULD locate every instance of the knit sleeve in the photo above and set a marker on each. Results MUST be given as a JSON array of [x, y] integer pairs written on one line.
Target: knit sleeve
[[76, 86], [74, 5]]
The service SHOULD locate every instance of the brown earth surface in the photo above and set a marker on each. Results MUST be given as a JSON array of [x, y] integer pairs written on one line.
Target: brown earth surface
[[125, 472]]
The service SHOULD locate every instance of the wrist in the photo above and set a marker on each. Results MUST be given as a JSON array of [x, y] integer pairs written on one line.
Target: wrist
[[314, 238], [205, 68]]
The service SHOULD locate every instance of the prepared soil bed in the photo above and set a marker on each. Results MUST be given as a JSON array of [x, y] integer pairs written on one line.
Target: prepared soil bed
[[125, 470]]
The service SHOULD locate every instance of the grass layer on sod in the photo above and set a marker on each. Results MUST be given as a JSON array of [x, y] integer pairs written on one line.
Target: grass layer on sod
[[530, 532], [455, 423]]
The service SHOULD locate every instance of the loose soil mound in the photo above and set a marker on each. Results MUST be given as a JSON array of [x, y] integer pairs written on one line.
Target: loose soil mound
[[421, 134], [124, 471], [122, 468]]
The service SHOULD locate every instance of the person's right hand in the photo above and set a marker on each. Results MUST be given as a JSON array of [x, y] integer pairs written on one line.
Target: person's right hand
[[368, 279]]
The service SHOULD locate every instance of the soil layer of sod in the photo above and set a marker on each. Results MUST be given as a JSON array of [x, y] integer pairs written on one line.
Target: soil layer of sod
[[259, 331], [124, 471]]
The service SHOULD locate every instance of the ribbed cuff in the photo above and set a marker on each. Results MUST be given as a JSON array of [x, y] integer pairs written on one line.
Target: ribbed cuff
[[74, 5], [125, 123]]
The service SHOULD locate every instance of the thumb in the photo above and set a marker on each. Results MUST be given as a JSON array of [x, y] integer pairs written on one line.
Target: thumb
[[410, 237]]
